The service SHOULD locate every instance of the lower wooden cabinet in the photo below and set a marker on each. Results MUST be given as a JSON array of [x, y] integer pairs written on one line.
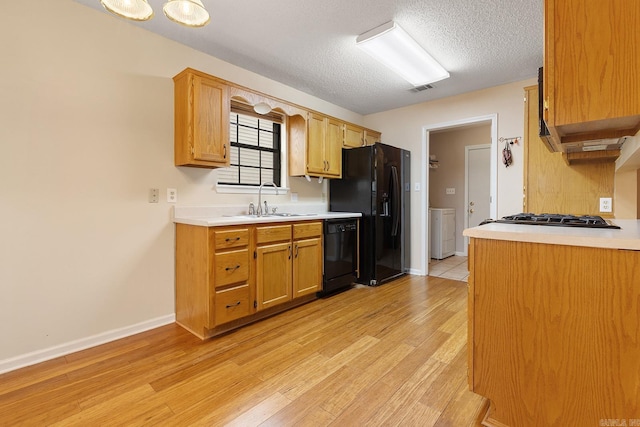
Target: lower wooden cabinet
[[273, 265], [232, 304], [230, 276], [307, 266]]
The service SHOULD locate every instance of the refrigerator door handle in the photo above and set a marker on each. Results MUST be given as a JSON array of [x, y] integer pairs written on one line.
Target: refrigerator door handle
[[395, 200]]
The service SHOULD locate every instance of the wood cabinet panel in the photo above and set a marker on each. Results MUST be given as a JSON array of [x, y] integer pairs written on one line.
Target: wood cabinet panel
[[371, 137], [591, 69], [554, 334], [194, 302], [232, 304], [333, 148], [315, 144], [307, 266], [273, 233], [273, 274], [231, 238], [307, 229], [353, 136], [201, 125], [231, 267], [550, 185]]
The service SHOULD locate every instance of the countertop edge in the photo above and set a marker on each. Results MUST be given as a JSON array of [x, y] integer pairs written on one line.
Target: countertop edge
[[628, 237], [234, 220]]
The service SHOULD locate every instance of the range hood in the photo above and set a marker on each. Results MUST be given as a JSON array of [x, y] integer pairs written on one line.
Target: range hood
[[594, 150]]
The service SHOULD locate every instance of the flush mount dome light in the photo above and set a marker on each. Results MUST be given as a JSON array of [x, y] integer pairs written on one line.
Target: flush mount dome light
[[396, 49], [137, 10], [262, 108], [190, 13]]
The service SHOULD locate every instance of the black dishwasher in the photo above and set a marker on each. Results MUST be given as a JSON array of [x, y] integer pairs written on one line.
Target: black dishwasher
[[340, 260]]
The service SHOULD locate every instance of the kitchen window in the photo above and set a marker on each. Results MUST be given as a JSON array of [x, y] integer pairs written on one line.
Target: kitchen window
[[255, 142]]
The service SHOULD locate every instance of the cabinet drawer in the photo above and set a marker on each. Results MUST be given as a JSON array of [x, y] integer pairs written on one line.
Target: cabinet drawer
[[231, 267], [231, 238], [274, 233], [307, 229], [232, 304]]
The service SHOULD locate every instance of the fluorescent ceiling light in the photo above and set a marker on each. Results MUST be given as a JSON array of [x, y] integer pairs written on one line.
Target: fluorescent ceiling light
[[392, 46]]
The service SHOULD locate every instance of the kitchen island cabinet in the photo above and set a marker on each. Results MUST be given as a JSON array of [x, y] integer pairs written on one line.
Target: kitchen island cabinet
[[554, 323]]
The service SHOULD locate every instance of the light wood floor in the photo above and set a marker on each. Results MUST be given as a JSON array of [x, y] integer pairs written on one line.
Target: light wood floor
[[389, 355]]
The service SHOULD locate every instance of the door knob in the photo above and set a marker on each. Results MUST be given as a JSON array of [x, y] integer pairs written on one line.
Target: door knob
[[470, 210], [470, 203]]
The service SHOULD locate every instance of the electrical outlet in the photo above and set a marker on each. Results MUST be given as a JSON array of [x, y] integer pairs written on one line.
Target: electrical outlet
[[605, 204], [154, 195], [172, 195], [416, 186], [294, 197], [451, 191]]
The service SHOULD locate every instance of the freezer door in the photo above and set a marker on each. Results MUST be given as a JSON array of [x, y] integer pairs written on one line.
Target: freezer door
[[388, 218]]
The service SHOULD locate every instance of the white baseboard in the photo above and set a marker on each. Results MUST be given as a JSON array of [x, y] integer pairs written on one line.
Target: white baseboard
[[416, 272], [43, 355]]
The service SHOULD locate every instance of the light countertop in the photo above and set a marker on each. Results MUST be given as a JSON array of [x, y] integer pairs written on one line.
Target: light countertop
[[216, 216], [628, 237]]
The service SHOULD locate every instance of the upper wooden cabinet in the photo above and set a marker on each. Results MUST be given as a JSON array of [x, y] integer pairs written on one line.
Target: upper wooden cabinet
[[353, 136], [322, 150], [356, 136], [371, 137], [591, 70], [201, 120]]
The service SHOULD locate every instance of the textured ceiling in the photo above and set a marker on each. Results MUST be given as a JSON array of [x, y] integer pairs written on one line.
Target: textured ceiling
[[310, 45]]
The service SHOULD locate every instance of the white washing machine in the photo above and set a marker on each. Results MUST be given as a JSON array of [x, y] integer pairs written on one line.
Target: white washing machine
[[443, 229]]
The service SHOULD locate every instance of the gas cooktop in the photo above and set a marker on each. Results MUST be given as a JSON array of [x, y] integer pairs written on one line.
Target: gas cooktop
[[587, 221]]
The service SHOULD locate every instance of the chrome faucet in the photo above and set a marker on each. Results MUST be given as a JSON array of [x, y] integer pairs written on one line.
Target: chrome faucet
[[266, 208]]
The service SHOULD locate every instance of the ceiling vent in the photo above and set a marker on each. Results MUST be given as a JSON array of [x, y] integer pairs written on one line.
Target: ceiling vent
[[421, 88]]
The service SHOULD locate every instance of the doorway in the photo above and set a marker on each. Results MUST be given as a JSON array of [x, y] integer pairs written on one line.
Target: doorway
[[491, 120]]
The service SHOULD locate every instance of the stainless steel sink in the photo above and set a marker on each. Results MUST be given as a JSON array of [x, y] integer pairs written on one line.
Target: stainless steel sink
[[271, 215]]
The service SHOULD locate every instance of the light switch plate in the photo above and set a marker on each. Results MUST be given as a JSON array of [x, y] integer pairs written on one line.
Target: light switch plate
[[154, 195], [605, 204]]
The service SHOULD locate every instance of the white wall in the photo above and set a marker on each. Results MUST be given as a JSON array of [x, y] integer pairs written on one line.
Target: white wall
[[402, 127], [86, 127]]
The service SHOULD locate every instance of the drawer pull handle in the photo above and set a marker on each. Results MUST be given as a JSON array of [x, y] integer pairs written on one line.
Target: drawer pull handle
[[233, 305], [233, 268], [228, 239]]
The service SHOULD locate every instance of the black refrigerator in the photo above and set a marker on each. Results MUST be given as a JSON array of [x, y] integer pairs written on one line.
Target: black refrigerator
[[376, 182]]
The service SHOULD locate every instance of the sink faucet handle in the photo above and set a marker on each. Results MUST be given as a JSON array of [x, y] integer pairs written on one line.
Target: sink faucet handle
[[252, 209], [266, 208], [274, 209]]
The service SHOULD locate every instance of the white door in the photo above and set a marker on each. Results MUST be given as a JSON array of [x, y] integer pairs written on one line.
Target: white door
[[478, 183]]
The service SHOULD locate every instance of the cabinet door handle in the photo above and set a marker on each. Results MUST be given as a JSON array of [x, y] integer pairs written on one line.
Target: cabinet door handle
[[233, 268], [229, 239], [224, 148], [297, 247], [233, 305], [289, 251]]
